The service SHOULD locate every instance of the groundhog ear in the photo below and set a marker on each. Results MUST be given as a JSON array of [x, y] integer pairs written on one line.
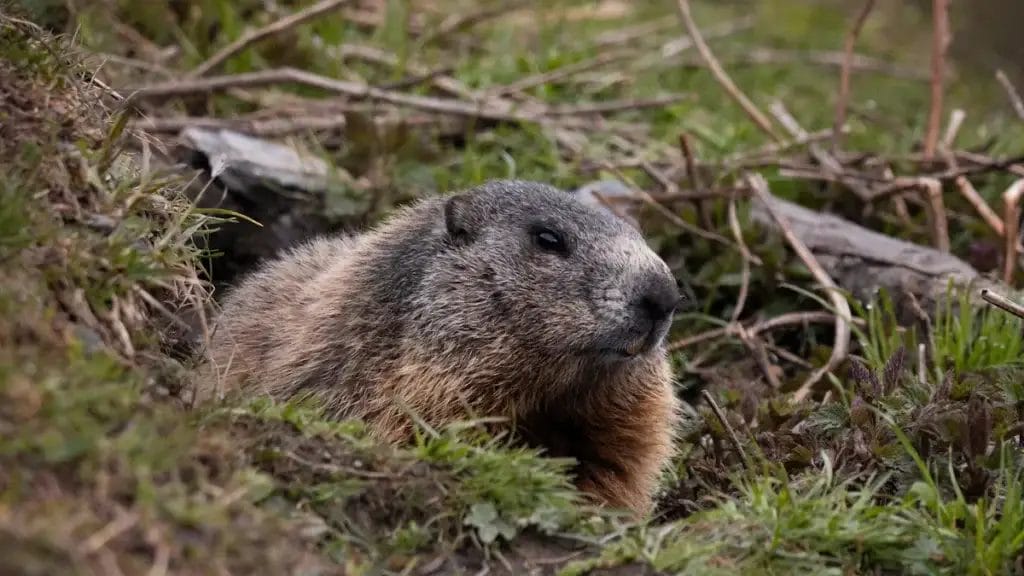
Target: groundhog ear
[[457, 220]]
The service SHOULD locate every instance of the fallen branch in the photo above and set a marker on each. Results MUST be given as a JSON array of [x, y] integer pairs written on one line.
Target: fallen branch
[[843, 316], [716, 69], [250, 38], [863, 261], [491, 110], [1003, 303]]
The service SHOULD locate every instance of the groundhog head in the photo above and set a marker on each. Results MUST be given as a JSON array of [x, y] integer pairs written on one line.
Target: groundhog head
[[567, 280]]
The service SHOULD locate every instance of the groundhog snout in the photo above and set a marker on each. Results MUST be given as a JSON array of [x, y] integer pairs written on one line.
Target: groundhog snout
[[657, 299], [653, 305]]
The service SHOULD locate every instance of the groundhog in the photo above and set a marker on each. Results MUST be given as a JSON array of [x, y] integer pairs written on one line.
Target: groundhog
[[513, 299]]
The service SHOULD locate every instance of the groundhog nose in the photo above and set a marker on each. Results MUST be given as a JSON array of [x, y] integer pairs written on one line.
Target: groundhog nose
[[659, 299]]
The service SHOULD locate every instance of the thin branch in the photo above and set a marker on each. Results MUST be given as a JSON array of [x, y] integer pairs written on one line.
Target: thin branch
[[790, 319], [843, 317], [499, 110], [561, 73], [616, 106], [723, 78], [827, 58], [250, 38], [1002, 302], [967, 190], [728, 427], [695, 180], [828, 162], [940, 41], [669, 215], [459, 22], [974, 198], [737, 232], [844, 76], [931, 191], [1011, 93], [1011, 225]]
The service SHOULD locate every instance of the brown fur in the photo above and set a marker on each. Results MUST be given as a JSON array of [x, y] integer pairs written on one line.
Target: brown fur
[[451, 309]]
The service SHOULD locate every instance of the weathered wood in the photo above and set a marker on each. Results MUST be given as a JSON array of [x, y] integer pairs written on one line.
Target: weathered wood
[[863, 261]]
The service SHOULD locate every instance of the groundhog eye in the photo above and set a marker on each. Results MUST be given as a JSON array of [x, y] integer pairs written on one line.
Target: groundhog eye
[[550, 240]]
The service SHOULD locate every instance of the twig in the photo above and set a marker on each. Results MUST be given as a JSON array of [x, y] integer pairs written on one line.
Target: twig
[[844, 76], [695, 181], [760, 355], [250, 38], [270, 127], [665, 212], [967, 190], [737, 232], [956, 121], [931, 191], [842, 317], [122, 523], [561, 73], [1002, 302], [615, 106], [417, 79], [1011, 93], [828, 162], [790, 319], [1011, 226], [698, 195], [970, 193], [716, 69], [922, 363], [833, 59], [772, 149], [493, 110], [725, 424], [940, 40], [457, 22]]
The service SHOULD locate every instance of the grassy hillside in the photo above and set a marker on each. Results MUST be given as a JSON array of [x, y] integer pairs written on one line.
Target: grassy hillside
[[105, 469]]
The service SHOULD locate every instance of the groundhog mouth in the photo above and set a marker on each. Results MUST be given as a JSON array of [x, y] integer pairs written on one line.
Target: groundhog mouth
[[636, 347]]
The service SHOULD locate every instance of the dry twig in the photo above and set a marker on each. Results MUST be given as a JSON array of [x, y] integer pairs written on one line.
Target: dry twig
[[844, 76], [728, 427], [791, 319], [940, 41], [669, 215], [1003, 303], [1011, 226], [967, 190], [1011, 93], [250, 38], [457, 22], [843, 317], [723, 78], [499, 110], [828, 162]]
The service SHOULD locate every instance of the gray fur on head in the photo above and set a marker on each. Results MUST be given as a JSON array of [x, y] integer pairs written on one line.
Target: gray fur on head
[[581, 296]]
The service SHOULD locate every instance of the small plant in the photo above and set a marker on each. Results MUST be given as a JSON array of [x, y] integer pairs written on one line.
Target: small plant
[[969, 339]]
